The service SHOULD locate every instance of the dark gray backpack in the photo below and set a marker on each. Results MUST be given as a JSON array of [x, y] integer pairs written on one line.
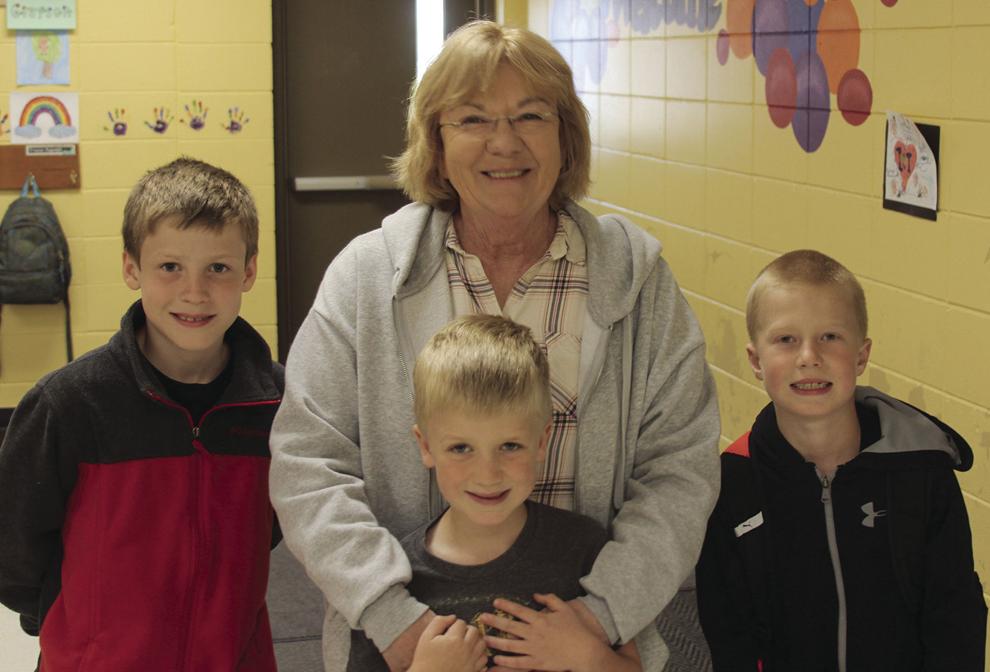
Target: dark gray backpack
[[34, 255]]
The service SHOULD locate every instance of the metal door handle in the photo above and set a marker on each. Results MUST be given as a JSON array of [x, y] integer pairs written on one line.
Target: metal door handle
[[344, 183]]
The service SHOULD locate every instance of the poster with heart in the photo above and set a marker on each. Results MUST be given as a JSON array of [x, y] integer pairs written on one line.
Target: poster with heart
[[910, 176]]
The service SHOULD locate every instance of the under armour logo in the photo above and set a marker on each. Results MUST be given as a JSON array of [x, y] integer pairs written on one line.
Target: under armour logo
[[871, 515]]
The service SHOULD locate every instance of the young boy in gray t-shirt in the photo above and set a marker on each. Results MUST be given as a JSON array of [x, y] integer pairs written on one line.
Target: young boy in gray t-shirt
[[498, 567]]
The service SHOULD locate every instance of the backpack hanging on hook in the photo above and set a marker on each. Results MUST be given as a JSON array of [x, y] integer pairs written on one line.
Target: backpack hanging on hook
[[34, 255]]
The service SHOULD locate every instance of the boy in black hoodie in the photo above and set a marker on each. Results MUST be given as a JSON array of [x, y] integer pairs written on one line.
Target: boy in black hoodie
[[840, 540]]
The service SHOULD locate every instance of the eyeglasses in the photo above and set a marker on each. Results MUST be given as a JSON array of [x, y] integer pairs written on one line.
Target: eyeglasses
[[524, 123]]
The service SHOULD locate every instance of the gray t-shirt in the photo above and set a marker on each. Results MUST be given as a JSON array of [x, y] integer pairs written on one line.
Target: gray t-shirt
[[554, 550]]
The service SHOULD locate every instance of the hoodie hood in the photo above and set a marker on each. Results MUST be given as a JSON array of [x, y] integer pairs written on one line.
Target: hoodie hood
[[616, 250], [907, 436], [906, 429]]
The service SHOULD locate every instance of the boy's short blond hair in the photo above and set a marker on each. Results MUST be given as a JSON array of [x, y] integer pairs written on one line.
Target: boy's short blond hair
[[194, 193], [482, 363], [466, 66], [805, 267]]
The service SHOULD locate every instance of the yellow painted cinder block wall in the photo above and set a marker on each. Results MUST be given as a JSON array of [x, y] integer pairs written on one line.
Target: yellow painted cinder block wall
[[139, 56], [685, 147]]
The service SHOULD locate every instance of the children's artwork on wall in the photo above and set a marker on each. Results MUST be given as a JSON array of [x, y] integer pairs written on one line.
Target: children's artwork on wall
[[44, 118], [910, 176], [235, 120], [41, 14], [807, 50], [195, 115], [118, 122], [3, 123], [161, 119], [42, 57]]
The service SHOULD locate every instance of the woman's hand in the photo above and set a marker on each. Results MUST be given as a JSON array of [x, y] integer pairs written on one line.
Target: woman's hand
[[449, 645], [556, 638]]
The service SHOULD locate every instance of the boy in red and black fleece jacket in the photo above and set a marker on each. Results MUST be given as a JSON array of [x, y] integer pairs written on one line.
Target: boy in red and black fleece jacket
[[135, 525]]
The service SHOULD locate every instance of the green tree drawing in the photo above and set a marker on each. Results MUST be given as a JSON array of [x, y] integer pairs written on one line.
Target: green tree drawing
[[48, 49]]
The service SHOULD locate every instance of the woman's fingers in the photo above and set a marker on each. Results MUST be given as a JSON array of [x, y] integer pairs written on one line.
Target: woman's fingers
[[523, 613], [458, 629], [438, 625], [506, 645], [550, 601], [504, 624], [515, 662]]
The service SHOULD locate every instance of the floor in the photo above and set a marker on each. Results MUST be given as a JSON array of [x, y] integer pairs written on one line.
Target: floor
[[20, 652]]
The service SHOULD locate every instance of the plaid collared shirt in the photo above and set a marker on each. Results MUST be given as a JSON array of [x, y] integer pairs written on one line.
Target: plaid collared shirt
[[550, 298]]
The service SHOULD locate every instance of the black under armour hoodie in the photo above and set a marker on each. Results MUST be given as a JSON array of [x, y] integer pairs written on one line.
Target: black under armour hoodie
[[828, 597]]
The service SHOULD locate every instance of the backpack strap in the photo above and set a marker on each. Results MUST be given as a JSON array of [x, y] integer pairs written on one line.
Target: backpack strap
[[30, 184], [68, 326], [907, 522]]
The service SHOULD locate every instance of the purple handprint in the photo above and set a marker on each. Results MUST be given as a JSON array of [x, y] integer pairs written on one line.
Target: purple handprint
[[163, 117], [118, 124], [196, 114]]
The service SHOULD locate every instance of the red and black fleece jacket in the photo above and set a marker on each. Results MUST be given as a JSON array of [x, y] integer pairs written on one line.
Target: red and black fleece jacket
[[131, 536]]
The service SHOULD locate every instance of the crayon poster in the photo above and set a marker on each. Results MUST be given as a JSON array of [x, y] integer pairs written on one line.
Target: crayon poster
[[42, 57], [44, 118], [41, 14], [911, 167]]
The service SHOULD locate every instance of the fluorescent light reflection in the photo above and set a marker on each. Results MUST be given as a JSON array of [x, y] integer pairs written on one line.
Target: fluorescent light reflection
[[429, 33]]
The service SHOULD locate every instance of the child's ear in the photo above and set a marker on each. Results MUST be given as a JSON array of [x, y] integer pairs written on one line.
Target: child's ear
[[250, 273], [754, 361], [131, 271], [541, 451], [863, 357], [424, 448]]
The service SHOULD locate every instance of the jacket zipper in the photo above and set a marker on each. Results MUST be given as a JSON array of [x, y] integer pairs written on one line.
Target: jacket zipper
[[199, 535], [833, 549]]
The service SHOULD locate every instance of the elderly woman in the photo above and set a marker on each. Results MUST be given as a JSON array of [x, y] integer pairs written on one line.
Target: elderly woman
[[498, 149]]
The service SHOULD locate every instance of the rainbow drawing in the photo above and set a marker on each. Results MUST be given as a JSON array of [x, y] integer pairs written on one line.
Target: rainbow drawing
[[41, 105], [44, 117]]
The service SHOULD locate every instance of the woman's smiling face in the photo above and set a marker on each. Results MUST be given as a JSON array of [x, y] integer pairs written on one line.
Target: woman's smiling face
[[502, 174]]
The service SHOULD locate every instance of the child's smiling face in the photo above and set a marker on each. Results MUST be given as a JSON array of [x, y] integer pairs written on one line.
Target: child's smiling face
[[191, 281], [486, 464], [808, 350]]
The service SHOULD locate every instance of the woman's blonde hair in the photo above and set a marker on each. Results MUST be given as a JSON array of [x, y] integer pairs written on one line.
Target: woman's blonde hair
[[467, 65], [482, 364]]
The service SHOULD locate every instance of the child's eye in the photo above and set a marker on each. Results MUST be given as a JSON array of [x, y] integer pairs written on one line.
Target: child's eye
[[511, 447], [219, 268], [785, 339], [830, 337], [459, 449], [169, 267]]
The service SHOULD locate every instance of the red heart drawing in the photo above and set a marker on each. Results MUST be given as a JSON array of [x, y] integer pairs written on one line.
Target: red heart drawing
[[906, 157]]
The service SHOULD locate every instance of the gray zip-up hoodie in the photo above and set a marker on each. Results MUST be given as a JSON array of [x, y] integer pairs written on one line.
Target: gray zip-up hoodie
[[346, 479]]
